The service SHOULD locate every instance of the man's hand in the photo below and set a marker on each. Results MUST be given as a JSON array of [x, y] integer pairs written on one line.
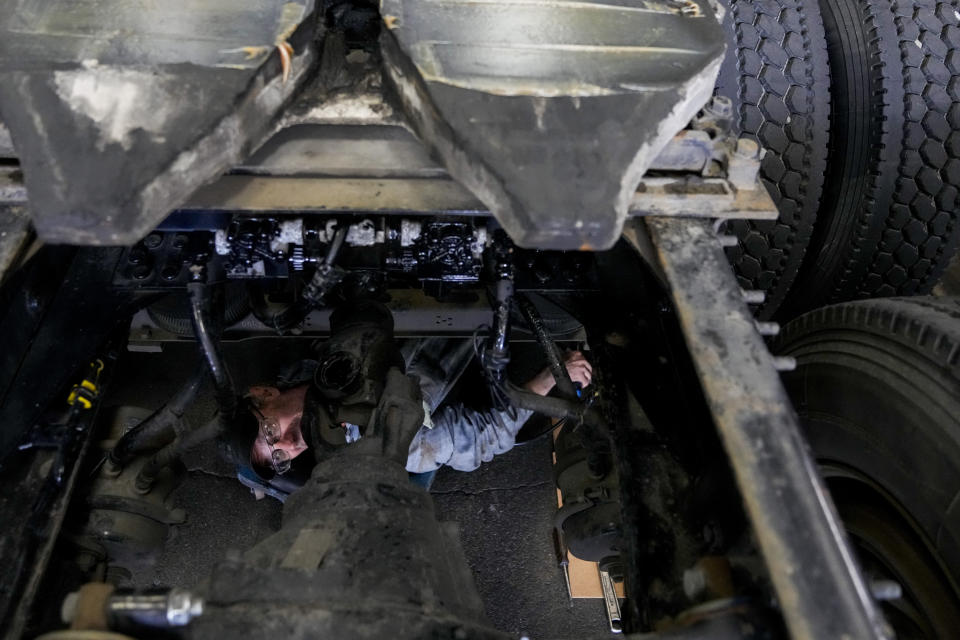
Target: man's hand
[[577, 367]]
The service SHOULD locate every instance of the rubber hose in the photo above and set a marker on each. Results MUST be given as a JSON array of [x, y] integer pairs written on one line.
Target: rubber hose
[[201, 306], [201, 303], [173, 451], [554, 358], [555, 407], [158, 429]]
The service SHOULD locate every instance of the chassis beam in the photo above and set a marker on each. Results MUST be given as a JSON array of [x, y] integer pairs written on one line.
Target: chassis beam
[[818, 583]]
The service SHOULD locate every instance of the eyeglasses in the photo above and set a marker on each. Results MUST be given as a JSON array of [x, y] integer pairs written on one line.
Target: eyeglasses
[[280, 460]]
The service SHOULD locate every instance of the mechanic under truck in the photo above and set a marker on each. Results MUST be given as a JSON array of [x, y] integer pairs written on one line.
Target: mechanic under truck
[[696, 253]]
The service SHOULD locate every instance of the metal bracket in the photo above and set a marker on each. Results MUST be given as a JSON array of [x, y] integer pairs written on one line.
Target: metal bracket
[[819, 586]]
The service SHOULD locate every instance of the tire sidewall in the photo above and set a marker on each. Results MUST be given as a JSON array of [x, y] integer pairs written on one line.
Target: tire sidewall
[[887, 416]]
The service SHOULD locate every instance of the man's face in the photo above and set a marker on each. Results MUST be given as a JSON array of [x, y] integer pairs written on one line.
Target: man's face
[[284, 411]]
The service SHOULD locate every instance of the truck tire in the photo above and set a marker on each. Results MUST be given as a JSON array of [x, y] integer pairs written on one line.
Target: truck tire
[[877, 390], [777, 76], [887, 223]]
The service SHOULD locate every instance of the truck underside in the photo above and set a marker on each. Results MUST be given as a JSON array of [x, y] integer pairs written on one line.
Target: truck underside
[[239, 183]]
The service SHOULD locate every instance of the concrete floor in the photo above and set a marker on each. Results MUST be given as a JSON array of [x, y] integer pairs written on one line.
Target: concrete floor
[[505, 511]]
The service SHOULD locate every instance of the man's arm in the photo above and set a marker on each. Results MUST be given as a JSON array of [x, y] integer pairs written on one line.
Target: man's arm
[[464, 438]]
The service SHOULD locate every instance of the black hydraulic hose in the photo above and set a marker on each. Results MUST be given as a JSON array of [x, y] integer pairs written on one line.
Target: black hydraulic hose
[[556, 407], [558, 370], [495, 358], [158, 429], [201, 308], [497, 353], [323, 280], [173, 451]]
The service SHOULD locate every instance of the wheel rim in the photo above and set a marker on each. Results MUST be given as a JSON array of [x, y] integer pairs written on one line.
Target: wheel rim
[[891, 546]]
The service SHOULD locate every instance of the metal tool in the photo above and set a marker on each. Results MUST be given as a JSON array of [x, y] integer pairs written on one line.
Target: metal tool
[[611, 601], [563, 560]]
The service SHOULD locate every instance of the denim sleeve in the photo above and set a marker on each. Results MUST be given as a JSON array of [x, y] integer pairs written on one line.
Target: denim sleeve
[[438, 363], [464, 438], [458, 437]]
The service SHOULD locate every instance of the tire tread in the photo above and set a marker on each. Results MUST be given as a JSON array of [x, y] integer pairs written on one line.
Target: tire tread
[[777, 76], [925, 324], [895, 234]]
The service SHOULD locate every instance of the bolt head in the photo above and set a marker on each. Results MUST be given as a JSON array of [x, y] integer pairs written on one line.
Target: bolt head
[[747, 148]]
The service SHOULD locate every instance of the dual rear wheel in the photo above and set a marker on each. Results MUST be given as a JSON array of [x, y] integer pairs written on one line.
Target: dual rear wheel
[[857, 103]]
